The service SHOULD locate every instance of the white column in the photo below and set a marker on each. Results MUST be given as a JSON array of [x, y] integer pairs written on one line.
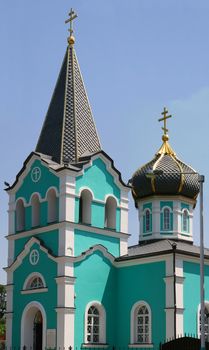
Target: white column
[[179, 298], [124, 212], [11, 215], [66, 240], [67, 197], [156, 218]]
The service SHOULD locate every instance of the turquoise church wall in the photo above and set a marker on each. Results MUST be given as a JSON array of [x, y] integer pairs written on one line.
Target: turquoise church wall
[[95, 281], [141, 283], [48, 269], [101, 183], [29, 187], [50, 239], [192, 294], [84, 240]]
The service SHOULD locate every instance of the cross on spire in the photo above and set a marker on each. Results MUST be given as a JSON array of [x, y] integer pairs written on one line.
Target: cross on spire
[[72, 16], [164, 119]]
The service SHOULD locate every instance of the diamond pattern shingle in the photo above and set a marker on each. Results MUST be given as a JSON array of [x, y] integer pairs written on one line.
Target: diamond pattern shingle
[[69, 129]]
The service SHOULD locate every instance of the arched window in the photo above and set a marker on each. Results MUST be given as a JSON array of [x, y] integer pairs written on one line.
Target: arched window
[[35, 282], [35, 204], [166, 219], [147, 221], [110, 213], [185, 220], [52, 211], [20, 215], [206, 321], [85, 207], [141, 323], [95, 324]]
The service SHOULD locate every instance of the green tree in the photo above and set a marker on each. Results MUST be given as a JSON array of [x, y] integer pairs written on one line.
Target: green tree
[[2, 301]]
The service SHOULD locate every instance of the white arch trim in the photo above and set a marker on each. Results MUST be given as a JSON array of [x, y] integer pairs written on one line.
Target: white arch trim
[[102, 312], [86, 188], [33, 274], [147, 209], [132, 324], [49, 189], [35, 194], [166, 207], [25, 325], [22, 199], [112, 196]]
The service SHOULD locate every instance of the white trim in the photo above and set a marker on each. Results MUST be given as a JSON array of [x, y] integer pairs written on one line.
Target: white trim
[[94, 346], [33, 274], [24, 330], [141, 346], [57, 225], [83, 188], [9, 321], [102, 321], [34, 291], [133, 322]]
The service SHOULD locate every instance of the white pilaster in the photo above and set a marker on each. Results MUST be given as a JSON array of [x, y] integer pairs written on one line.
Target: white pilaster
[[179, 298], [67, 197], [124, 212], [9, 315], [11, 215], [66, 240], [65, 328]]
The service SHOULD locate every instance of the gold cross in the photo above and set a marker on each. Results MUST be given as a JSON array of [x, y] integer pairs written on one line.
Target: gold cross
[[72, 15], [165, 117]]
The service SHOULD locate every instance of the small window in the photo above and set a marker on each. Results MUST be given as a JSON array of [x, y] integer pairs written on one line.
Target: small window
[[20, 215], [35, 282], [166, 219], [206, 322], [147, 221], [85, 207], [52, 206], [95, 324], [141, 324], [110, 213], [35, 204], [185, 221]]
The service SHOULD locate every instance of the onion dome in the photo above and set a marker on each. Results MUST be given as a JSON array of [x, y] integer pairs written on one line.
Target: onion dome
[[165, 174]]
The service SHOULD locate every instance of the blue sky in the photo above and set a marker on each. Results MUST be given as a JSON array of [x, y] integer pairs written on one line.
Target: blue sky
[[136, 57]]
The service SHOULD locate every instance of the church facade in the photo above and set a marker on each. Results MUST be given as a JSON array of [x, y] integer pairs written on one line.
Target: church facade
[[72, 280]]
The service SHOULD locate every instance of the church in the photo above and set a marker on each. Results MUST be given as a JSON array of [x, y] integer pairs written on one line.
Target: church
[[72, 280]]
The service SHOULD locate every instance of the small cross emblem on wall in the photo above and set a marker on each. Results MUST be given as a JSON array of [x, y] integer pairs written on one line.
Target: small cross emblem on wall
[[34, 257], [36, 174]]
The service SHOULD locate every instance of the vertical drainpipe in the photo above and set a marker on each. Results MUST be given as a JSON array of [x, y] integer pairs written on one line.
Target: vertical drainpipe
[[174, 287]]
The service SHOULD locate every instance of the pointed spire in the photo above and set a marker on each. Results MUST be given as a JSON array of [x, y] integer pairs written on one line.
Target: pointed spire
[[69, 130]]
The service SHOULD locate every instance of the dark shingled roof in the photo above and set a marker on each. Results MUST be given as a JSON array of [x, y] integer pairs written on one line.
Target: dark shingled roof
[[161, 247], [69, 130], [176, 178]]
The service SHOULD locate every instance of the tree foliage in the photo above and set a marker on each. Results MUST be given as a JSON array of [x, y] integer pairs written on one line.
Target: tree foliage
[[2, 301]]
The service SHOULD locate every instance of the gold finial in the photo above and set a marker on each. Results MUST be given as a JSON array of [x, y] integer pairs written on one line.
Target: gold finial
[[72, 15], [164, 119]]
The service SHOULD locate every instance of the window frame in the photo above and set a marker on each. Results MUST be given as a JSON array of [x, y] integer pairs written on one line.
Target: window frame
[[185, 210], [164, 228], [102, 324], [133, 330], [147, 210], [29, 279]]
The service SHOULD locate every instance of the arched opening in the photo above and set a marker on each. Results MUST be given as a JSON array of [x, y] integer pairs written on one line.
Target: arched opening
[[110, 213], [52, 211], [95, 323], [85, 207], [141, 323], [35, 204], [33, 327], [20, 215], [147, 220]]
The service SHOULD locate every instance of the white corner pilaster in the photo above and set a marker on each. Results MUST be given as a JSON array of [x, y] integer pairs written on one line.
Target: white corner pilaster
[[11, 215], [65, 327], [124, 212], [66, 240], [179, 297], [67, 197], [9, 315]]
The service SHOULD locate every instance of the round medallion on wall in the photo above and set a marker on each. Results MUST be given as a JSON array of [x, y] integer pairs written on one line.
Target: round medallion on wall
[[34, 257], [36, 174]]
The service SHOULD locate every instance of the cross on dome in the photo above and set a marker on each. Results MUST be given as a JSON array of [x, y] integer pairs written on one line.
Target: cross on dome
[[164, 119], [73, 15]]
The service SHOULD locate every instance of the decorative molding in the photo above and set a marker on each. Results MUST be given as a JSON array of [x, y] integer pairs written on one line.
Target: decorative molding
[[33, 291]]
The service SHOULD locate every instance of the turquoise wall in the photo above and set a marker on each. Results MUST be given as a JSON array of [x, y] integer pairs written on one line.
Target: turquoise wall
[[192, 294], [48, 269], [141, 283], [47, 180], [95, 281], [50, 239], [83, 240], [101, 183]]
